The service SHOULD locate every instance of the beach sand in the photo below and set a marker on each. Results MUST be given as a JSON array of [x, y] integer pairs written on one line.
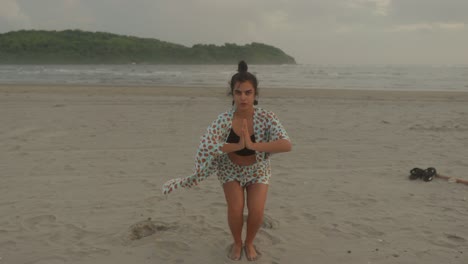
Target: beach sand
[[82, 167]]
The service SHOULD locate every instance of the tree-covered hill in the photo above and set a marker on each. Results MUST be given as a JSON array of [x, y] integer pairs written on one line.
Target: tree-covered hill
[[82, 47]]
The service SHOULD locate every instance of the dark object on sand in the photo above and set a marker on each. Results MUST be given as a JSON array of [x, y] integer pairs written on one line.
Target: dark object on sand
[[426, 175], [429, 174]]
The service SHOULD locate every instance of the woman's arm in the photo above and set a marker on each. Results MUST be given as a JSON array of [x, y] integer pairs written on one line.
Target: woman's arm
[[231, 147], [280, 145], [277, 146]]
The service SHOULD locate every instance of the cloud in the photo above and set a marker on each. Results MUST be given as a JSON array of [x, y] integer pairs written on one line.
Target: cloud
[[376, 7], [56, 14], [11, 16], [430, 27], [429, 11], [276, 20], [451, 26]]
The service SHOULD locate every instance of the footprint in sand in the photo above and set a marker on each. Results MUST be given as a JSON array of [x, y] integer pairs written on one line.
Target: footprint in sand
[[179, 246], [215, 207], [68, 232], [269, 222], [142, 229], [8, 245], [366, 229], [336, 231], [266, 237], [455, 238], [34, 223], [146, 228], [49, 260]]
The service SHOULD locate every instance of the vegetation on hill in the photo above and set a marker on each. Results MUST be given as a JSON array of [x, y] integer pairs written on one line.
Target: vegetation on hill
[[83, 47]]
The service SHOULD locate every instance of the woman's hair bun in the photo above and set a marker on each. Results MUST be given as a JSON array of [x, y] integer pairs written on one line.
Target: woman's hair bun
[[242, 66]]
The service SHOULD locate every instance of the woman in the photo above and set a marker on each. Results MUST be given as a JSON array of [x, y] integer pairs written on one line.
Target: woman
[[237, 146]]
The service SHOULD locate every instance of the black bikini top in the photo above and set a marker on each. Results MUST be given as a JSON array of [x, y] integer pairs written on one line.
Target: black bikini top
[[234, 138]]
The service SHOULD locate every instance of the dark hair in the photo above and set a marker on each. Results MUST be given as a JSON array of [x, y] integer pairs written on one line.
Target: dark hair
[[241, 76]]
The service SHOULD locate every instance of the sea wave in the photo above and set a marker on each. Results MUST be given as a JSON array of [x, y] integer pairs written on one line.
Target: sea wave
[[376, 77]]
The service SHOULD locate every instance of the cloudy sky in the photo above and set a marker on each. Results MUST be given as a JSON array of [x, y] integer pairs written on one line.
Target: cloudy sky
[[312, 31]]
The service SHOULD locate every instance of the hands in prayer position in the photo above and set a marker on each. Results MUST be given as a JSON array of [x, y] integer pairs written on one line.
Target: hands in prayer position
[[245, 140], [281, 145]]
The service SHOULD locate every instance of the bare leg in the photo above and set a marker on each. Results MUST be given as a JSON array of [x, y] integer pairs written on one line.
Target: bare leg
[[256, 198], [234, 194]]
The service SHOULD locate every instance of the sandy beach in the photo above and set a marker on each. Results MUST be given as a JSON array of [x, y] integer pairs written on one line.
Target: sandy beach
[[82, 169]]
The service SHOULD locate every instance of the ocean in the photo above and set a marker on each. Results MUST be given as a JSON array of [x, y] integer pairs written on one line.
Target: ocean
[[376, 77]]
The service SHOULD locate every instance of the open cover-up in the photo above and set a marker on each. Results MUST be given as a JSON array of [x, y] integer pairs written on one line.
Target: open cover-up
[[266, 128]]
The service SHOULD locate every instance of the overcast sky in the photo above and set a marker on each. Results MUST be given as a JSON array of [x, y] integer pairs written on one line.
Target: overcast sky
[[312, 31]]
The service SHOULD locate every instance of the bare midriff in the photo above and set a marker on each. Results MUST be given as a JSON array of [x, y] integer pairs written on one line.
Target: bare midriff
[[242, 160]]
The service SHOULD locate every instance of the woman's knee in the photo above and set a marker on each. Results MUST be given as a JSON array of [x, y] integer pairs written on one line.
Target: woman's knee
[[256, 209], [237, 208]]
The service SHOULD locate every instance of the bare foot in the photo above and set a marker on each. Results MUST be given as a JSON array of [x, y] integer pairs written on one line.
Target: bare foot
[[251, 252], [235, 252]]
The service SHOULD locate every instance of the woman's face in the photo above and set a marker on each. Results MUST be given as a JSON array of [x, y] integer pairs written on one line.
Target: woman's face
[[244, 95]]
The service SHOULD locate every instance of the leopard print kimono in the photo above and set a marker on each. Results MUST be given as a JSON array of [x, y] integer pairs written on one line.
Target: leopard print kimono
[[266, 127]]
